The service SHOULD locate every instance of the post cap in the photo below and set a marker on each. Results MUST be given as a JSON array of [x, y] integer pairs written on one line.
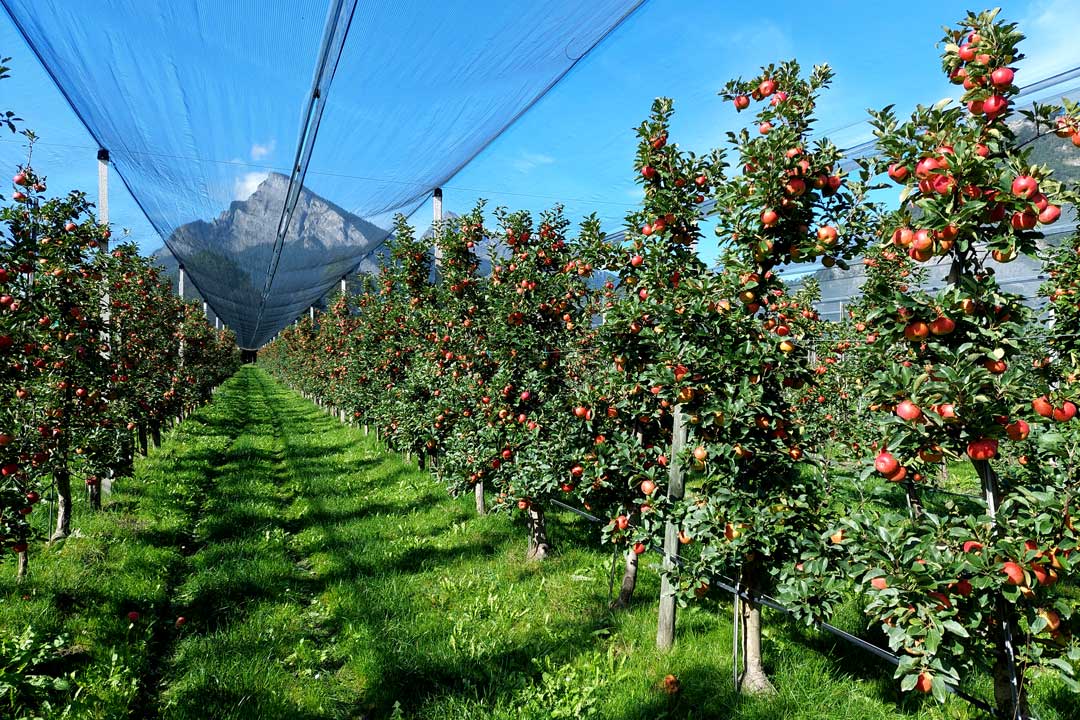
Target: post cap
[[103, 154]]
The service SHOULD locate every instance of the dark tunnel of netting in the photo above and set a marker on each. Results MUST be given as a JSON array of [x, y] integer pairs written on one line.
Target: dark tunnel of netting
[[198, 102]]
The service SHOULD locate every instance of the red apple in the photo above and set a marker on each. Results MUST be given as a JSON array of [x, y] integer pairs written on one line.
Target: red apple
[[942, 325], [983, 449], [1049, 214], [908, 410], [1002, 76], [1065, 413], [1024, 220], [885, 463], [916, 331], [1024, 186], [1017, 430], [1014, 574], [994, 105]]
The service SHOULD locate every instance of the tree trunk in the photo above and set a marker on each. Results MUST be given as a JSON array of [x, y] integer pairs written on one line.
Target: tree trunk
[[23, 565], [478, 493], [63, 502], [1003, 696], [1005, 626], [754, 681], [155, 434], [126, 466], [539, 547], [421, 460], [629, 581], [94, 495], [142, 439]]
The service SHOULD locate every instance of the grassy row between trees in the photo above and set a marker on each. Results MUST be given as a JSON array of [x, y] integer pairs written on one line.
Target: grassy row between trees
[[281, 565]]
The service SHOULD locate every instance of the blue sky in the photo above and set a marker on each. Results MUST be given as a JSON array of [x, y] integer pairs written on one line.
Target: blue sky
[[577, 144]]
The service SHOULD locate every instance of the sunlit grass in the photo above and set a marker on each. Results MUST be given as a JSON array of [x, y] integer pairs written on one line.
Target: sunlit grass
[[321, 577]]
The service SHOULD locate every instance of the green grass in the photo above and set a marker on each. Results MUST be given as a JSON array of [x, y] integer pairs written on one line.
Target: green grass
[[324, 578]]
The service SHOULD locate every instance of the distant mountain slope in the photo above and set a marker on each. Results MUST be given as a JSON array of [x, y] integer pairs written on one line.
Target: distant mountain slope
[[227, 257]]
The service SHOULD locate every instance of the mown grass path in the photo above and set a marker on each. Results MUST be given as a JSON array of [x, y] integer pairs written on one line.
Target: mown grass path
[[320, 577]]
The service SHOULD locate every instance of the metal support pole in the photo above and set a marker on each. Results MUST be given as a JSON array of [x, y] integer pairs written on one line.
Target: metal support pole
[[665, 631], [311, 311], [437, 216], [217, 323], [206, 311], [344, 285]]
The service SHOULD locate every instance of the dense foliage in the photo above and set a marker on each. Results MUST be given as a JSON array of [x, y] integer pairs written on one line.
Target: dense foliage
[[90, 350], [810, 450]]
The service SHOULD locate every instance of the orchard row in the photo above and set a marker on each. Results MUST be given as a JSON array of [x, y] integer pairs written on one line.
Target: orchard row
[[711, 414], [96, 353]]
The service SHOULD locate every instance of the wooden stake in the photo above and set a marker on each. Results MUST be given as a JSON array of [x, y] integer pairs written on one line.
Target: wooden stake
[[665, 631]]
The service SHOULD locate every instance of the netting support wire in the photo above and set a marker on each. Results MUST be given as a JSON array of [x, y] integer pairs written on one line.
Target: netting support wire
[[338, 21], [436, 217]]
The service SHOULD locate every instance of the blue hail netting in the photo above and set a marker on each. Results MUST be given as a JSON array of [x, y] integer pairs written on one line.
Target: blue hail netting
[[209, 115]]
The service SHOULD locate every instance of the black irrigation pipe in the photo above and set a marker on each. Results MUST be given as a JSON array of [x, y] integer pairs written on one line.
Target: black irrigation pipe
[[726, 584], [942, 491], [582, 513], [762, 599]]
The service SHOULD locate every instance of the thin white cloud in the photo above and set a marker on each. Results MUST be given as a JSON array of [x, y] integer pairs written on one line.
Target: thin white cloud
[[247, 184], [258, 152], [530, 160], [1051, 28]]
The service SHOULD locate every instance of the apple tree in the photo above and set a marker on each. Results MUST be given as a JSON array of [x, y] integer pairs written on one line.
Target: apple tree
[[958, 586], [755, 499]]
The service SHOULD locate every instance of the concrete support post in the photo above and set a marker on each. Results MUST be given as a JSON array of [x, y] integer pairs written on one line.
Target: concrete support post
[[437, 216]]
